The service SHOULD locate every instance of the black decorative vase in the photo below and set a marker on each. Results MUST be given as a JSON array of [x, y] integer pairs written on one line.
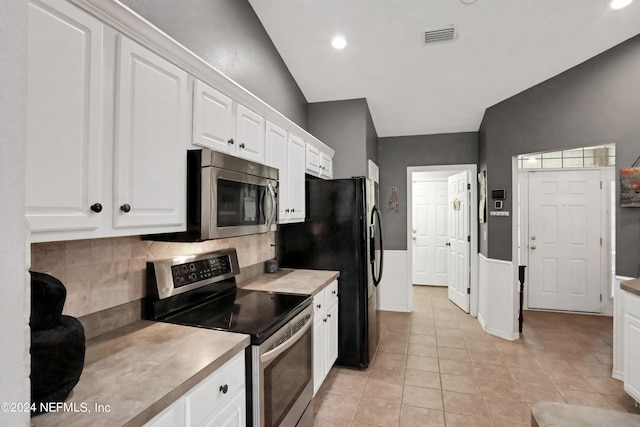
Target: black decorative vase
[[57, 343]]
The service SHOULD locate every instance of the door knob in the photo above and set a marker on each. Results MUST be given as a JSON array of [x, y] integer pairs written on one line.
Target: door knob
[[413, 237], [533, 237], [532, 246], [413, 230]]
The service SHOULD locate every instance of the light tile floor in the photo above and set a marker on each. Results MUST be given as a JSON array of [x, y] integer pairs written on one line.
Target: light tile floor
[[436, 367]]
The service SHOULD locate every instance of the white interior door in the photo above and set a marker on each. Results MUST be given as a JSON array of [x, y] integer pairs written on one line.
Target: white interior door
[[459, 239], [565, 240], [430, 233]]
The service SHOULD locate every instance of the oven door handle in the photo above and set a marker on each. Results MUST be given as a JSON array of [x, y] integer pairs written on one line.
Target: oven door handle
[[273, 354]]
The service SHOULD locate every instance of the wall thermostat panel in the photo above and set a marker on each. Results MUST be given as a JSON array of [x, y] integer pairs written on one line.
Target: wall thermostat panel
[[499, 194]]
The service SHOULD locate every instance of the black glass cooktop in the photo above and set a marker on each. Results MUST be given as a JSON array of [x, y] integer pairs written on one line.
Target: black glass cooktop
[[256, 313]]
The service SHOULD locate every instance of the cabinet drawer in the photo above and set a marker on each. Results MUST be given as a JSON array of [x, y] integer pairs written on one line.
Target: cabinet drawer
[[210, 395], [632, 304], [331, 292]]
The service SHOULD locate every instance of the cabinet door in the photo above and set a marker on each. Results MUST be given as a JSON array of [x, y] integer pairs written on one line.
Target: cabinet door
[[212, 118], [313, 160], [332, 336], [173, 416], [64, 82], [277, 153], [326, 166], [318, 353], [632, 345], [296, 179], [150, 139], [250, 131], [232, 415]]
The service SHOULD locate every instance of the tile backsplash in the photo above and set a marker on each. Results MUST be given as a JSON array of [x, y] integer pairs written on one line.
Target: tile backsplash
[[103, 273]]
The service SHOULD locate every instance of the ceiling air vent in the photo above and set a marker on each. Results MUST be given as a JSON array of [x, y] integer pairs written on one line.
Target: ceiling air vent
[[444, 34]]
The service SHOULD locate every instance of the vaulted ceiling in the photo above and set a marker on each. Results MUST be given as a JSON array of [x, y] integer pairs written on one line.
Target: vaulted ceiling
[[501, 48]]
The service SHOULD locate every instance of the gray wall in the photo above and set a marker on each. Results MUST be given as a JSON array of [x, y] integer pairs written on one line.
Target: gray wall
[[345, 126], [596, 102], [397, 153], [228, 35]]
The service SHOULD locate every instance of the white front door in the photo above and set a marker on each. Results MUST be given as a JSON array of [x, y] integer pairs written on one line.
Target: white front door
[[459, 239], [564, 240], [430, 233]]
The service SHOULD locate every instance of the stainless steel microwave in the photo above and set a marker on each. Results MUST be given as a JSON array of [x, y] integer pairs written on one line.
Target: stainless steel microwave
[[227, 196]]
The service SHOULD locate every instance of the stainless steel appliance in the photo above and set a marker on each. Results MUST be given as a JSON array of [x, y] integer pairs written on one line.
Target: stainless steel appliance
[[227, 196], [201, 291], [342, 231]]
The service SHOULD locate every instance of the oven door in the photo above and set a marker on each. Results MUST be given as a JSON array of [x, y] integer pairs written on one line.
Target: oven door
[[283, 374], [237, 204]]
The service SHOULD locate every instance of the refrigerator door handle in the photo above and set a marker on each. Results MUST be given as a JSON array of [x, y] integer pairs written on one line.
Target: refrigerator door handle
[[376, 220]]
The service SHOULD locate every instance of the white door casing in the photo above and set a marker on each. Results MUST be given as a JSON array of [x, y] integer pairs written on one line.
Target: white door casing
[[430, 233], [564, 242], [459, 239]]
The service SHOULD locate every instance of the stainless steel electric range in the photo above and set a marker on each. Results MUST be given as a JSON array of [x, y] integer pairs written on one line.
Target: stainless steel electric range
[[201, 291]]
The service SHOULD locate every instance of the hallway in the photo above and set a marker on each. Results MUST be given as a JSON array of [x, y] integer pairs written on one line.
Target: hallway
[[436, 367]]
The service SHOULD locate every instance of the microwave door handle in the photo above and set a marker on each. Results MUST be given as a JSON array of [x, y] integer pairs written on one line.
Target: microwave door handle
[[274, 209]]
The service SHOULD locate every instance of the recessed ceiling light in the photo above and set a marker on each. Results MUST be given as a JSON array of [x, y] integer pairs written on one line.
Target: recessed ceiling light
[[619, 4], [339, 42]]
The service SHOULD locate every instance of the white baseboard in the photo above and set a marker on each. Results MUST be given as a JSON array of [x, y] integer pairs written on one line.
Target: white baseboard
[[618, 375]]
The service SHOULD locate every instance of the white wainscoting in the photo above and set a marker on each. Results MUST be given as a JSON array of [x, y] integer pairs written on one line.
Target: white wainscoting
[[618, 329], [498, 296], [395, 292]]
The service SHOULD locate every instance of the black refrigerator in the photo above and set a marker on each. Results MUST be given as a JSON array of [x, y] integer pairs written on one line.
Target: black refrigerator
[[343, 232]]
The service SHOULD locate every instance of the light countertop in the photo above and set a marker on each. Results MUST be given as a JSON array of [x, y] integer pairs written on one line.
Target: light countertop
[[139, 370], [308, 282], [632, 286]]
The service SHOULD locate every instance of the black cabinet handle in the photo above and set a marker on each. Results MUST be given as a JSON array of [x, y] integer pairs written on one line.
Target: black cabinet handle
[[242, 145], [329, 315], [224, 389], [333, 292], [96, 207], [293, 210], [324, 320], [286, 210], [231, 141], [319, 306], [125, 208]]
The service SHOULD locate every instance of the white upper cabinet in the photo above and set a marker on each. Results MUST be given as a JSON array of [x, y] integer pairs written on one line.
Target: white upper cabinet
[[151, 136], [213, 120], [107, 129], [64, 163], [313, 160], [287, 153], [326, 166], [250, 135], [296, 158], [221, 124]]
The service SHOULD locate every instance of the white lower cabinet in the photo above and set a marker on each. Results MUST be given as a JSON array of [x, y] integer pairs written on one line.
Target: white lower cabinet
[[325, 333], [632, 345], [219, 400]]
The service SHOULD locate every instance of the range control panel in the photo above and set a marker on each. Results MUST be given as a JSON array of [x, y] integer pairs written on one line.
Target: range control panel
[[196, 271], [169, 277]]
